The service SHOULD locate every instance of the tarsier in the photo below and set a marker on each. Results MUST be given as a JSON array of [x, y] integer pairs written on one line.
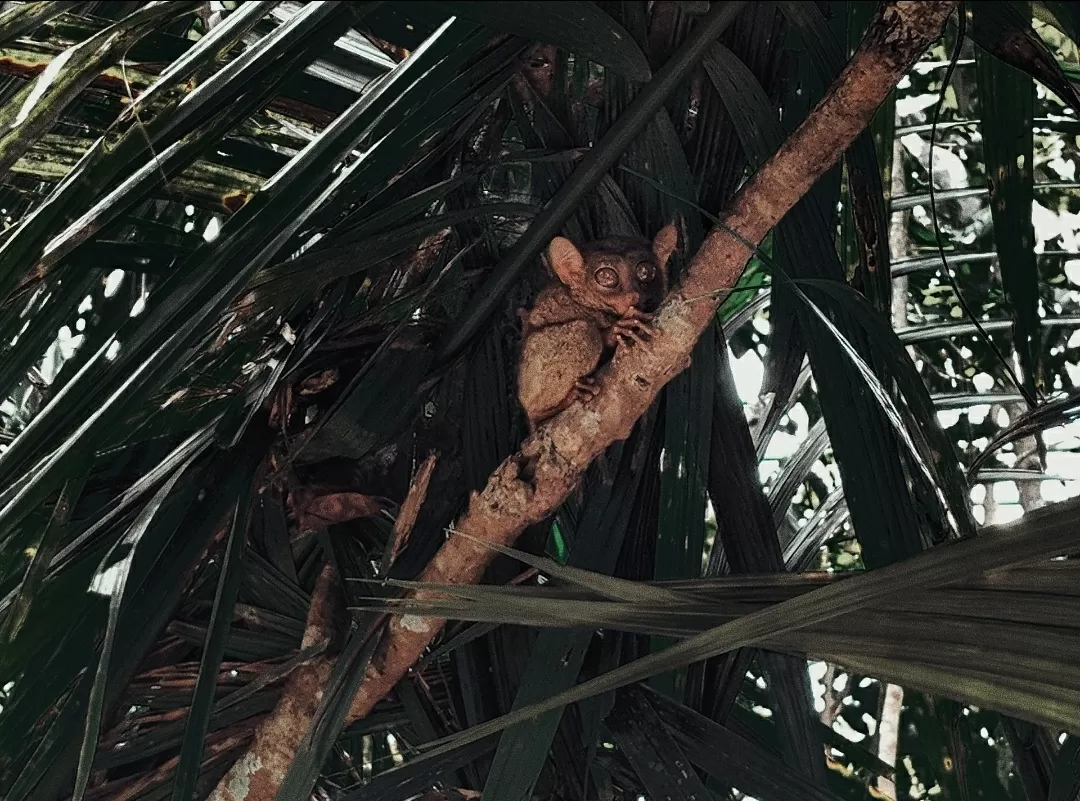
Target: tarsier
[[603, 299]]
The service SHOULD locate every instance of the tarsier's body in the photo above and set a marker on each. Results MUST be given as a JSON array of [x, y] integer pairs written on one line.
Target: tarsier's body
[[602, 300]]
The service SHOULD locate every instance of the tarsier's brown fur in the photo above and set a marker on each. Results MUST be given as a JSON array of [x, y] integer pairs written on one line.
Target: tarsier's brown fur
[[602, 299]]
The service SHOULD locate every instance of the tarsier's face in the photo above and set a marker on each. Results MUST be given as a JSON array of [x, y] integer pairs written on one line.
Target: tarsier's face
[[617, 273], [621, 274]]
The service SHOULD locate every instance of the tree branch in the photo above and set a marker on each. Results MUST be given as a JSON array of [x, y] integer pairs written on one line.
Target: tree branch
[[258, 773], [530, 485]]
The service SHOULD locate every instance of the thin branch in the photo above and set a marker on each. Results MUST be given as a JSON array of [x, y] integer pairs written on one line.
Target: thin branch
[[409, 511]]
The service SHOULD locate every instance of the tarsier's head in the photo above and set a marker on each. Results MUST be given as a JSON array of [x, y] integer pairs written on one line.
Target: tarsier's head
[[616, 273]]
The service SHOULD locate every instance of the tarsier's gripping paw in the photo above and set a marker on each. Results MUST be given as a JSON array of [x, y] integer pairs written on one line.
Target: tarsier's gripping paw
[[586, 388], [634, 326]]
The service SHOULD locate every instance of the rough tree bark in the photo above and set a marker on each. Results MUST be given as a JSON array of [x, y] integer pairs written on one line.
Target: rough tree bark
[[530, 485], [258, 773]]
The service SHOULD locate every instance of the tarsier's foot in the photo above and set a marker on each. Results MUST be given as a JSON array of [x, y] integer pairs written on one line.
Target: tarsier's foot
[[634, 326], [586, 387]]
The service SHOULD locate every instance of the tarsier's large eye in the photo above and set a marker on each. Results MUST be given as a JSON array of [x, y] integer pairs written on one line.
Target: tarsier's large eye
[[607, 277], [645, 272]]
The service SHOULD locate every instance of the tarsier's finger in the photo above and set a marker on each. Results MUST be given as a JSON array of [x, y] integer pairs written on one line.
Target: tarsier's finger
[[634, 314], [638, 325], [634, 328], [629, 336]]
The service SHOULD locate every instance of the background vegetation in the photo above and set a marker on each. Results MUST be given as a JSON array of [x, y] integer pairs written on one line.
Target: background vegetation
[[259, 260]]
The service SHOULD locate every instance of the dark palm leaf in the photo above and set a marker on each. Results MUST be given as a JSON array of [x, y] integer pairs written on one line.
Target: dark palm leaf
[[261, 260]]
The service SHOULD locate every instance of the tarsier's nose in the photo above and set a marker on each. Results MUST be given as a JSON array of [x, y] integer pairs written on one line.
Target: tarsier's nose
[[649, 304]]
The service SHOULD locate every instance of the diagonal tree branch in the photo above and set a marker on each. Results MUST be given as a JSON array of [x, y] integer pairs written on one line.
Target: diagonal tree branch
[[258, 773], [529, 486]]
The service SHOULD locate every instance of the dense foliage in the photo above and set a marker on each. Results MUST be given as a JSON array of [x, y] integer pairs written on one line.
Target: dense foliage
[[261, 260]]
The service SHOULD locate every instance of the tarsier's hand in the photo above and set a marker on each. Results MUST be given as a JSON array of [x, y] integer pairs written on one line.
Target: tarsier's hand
[[586, 387], [634, 326]]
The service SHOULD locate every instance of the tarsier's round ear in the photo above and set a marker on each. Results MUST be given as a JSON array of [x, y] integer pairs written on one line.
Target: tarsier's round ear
[[665, 242], [566, 261]]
